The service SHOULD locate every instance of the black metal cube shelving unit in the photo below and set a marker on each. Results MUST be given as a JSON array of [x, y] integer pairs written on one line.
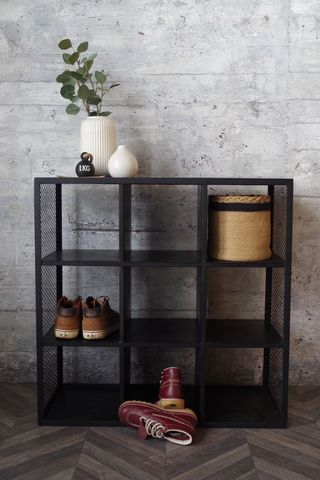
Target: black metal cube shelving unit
[[264, 405]]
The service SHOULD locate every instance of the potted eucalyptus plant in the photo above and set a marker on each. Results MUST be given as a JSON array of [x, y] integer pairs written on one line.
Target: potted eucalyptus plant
[[85, 89]]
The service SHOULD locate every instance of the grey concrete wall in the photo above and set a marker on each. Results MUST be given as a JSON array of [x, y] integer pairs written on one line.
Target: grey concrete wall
[[208, 88]]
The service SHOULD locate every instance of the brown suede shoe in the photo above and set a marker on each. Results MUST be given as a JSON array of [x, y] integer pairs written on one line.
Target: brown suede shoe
[[99, 320], [68, 320]]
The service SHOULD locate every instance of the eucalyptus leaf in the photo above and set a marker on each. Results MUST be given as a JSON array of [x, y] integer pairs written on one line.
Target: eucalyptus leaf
[[88, 64], [77, 76], [100, 76], [70, 81], [83, 47], [73, 58], [66, 58], [92, 56], [81, 70], [72, 109], [105, 114], [83, 92], [94, 100], [65, 44], [63, 77], [66, 80], [67, 91]]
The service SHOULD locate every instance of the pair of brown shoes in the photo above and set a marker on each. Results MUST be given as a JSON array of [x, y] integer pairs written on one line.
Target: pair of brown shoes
[[94, 316]]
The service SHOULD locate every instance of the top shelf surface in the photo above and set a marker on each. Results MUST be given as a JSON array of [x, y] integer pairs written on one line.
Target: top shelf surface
[[164, 181]]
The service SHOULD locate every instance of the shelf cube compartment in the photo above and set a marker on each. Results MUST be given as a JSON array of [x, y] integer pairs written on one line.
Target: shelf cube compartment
[[85, 392], [77, 229], [161, 307], [244, 387], [89, 281], [162, 224], [281, 218], [236, 293], [90, 217], [242, 311], [143, 367]]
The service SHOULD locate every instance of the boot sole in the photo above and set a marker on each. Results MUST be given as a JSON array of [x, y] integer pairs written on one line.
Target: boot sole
[[171, 403], [182, 410], [66, 334], [99, 334]]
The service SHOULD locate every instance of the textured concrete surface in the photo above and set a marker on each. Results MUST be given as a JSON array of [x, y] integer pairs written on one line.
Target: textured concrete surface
[[208, 88]]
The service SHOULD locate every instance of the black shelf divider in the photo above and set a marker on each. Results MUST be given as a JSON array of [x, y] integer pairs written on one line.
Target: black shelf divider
[[264, 405], [89, 257], [166, 258], [157, 332], [242, 334]]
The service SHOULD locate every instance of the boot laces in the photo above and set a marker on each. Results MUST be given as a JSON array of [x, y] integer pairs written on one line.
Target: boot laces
[[152, 427]]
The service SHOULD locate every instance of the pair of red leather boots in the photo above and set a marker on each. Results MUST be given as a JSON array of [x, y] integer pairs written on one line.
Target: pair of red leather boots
[[167, 418]]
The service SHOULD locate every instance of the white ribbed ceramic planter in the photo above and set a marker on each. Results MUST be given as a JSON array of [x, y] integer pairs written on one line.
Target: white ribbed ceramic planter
[[98, 137]]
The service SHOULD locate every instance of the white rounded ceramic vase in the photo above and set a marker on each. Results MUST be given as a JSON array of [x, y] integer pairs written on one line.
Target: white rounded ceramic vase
[[122, 163], [99, 137]]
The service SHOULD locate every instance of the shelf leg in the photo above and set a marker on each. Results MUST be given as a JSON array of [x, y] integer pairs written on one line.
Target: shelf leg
[[59, 280], [37, 223], [125, 372]]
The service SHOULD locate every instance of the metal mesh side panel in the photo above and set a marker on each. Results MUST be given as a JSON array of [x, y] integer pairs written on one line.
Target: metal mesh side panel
[[275, 375], [279, 223], [279, 228], [50, 375], [48, 218], [277, 304], [279, 231], [49, 297]]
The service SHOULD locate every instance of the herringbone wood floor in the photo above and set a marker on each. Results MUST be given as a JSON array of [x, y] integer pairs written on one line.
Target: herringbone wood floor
[[29, 452]]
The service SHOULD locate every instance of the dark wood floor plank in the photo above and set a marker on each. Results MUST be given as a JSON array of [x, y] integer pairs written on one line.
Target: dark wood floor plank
[[270, 471], [284, 444], [216, 453], [127, 438], [63, 474], [307, 399], [90, 469], [250, 475], [85, 474], [266, 476], [120, 452], [280, 460], [14, 401], [40, 452], [42, 466], [215, 466]]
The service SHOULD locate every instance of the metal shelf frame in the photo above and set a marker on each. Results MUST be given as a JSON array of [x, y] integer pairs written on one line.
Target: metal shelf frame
[[217, 405]]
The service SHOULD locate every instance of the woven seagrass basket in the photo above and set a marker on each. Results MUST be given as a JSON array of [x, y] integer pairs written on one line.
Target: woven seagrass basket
[[239, 227]]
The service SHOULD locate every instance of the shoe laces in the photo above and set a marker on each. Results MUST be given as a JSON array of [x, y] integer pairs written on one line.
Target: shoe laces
[[152, 427], [92, 302]]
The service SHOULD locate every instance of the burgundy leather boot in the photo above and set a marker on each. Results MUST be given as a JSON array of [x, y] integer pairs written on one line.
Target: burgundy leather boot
[[170, 391], [175, 425]]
